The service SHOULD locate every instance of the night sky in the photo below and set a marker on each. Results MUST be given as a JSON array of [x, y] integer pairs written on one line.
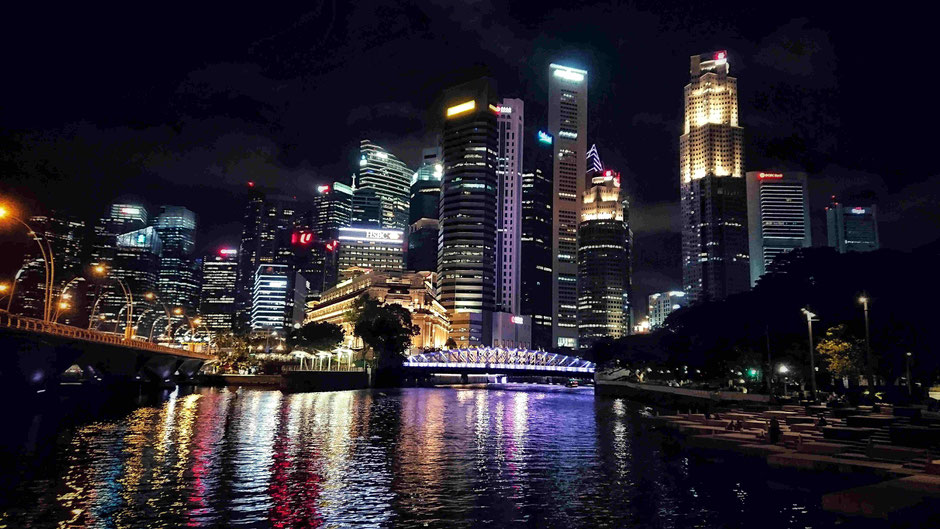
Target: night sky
[[182, 104]]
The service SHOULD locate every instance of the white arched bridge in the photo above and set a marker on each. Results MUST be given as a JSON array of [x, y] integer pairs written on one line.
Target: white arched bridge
[[500, 360]]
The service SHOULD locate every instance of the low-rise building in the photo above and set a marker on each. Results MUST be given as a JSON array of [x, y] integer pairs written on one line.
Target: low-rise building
[[412, 290]]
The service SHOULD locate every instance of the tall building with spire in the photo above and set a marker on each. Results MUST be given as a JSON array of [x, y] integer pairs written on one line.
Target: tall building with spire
[[604, 244], [391, 180], [567, 123], [511, 121], [712, 185], [468, 215]]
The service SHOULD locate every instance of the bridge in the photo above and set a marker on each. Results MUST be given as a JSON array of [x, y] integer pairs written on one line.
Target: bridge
[[35, 353], [501, 361]]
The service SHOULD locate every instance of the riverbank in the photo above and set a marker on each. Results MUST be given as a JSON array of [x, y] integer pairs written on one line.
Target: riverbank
[[294, 381], [847, 440]]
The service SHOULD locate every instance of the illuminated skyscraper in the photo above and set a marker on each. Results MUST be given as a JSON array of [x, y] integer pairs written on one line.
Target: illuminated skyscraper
[[332, 209], [217, 302], [391, 179], [535, 264], [567, 123], [511, 120], [425, 212], [852, 229], [777, 217], [468, 216], [713, 198], [178, 281], [604, 241]]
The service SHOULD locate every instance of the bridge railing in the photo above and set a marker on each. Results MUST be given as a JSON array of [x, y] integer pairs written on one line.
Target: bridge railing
[[13, 321]]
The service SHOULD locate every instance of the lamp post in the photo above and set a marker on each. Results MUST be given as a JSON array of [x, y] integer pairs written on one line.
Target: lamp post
[[812, 354], [910, 389], [869, 368], [48, 262], [153, 297], [13, 286], [101, 270], [64, 296]]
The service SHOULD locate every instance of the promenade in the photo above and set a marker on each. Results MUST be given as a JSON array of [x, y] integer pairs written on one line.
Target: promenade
[[897, 445]]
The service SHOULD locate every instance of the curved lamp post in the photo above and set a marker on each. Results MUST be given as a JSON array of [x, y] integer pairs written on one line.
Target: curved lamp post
[[47, 259]]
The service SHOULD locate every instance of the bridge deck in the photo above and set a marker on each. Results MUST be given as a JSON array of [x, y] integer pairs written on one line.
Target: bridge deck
[[21, 323]]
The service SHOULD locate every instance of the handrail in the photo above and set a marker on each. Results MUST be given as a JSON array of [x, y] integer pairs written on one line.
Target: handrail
[[12, 321]]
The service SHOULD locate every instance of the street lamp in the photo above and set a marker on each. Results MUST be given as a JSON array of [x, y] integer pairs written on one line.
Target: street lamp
[[870, 368], [101, 270], [910, 390], [64, 295], [47, 259], [812, 355]]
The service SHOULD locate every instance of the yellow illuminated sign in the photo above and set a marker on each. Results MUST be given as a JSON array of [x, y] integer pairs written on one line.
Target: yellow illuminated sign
[[461, 108]]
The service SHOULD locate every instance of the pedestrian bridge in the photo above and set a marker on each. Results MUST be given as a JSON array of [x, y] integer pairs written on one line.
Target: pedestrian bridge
[[500, 360]]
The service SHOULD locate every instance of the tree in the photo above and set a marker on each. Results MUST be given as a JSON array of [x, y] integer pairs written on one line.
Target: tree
[[385, 329], [450, 344], [843, 354], [320, 336]]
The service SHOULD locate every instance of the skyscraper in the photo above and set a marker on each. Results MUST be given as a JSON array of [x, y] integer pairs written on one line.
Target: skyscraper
[[266, 232], [713, 197], [270, 294], [136, 263], [852, 229], [217, 302], [366, 209], [391, 179], [332, 209], [361, 250], [567, 123], [511, 120], [467, 242], [425, 212], [777, 217], [178, 281], [535, 263], [604, 241]]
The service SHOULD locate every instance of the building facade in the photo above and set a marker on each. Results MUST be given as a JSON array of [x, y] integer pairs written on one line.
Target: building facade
[[604, 244], [363, 249], [412, 290], [271, 293], [136, 263], [567, 123], [852, 228], [535, 263], [661, 304], [713, 197], [332, 209], [390, 178], [217, 299], [777, 217], [468, 210], [511, 121]]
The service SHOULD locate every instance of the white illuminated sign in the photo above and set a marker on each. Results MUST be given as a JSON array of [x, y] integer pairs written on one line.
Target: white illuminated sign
[[568, 74], [355, 234], [566, 134], [516, 319], [130, 211]]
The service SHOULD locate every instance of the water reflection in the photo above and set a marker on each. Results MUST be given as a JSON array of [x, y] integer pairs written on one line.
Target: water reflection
[[411, 458]]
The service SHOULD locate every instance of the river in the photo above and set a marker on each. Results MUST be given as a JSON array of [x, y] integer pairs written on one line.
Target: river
[[509, 456]]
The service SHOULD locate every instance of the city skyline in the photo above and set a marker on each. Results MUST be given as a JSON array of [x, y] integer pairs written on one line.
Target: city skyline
[[777, 76]]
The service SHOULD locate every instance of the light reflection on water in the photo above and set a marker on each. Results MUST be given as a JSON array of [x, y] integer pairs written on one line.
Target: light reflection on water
[[422, 457]]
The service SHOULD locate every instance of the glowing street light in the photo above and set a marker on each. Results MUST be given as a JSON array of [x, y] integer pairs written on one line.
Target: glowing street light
[[870, 374], [812, 355], [48, 260], [783, 370]]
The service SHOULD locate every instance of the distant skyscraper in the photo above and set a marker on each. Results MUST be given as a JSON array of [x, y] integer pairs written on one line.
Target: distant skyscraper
[[777, 217], [391, 179], [366, 209], [468, 217], [852, 229], [535, 263], [66, 237], [592, 163], [332, 206], [425, 212], [217, 303], [136, 262], [567, 123], [266, 232], [713, 197], [121, 218], [270, 293], [511, 120], [604, 241], [178, 281], [661, 304]]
